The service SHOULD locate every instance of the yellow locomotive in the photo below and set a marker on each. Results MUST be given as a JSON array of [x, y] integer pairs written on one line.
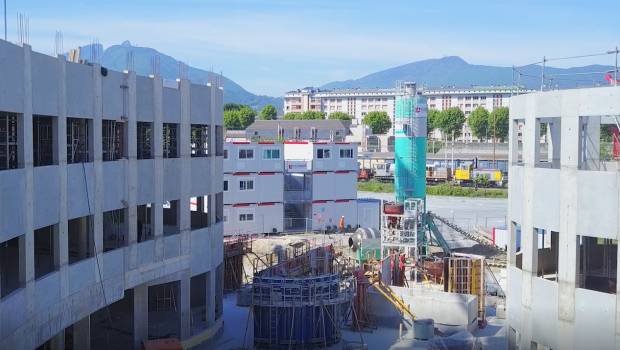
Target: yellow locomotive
[[467, 174]]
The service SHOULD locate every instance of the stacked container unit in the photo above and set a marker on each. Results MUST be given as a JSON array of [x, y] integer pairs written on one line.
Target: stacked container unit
[[253, 188], [334, 181]]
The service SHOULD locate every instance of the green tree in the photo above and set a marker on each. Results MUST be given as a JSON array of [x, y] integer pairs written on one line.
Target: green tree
[[498, 123], [379, 122], [231, 121], [312, 115], [231, 106], [268, 112], [451, 121], [246, 116], [340, 116], [238, 117], [292, 116], [431, 121], [478, 122]]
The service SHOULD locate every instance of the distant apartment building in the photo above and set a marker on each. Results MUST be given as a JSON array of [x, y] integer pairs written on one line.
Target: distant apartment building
[[111, 206], [355, 102], [280, 130], [294, 186], [359, 102]]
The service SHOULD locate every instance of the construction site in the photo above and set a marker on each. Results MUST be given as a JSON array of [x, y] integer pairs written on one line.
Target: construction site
[[419, 281]]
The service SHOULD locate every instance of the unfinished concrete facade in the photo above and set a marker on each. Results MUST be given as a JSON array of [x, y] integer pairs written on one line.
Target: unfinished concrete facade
[[564, 220], [111, 205]]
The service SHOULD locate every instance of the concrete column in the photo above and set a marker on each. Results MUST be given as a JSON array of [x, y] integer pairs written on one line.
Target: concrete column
[[132, 154], [27, 247], [81, 334], [158, 172], [184, 301], [97, 139], [140, 315], [568, 232], [132, 169], [186, 166], [213, 186], [531, 132], [61, 140], [210, 289]]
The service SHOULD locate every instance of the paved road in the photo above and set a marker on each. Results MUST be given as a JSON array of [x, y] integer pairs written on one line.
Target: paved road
[[465, 212]]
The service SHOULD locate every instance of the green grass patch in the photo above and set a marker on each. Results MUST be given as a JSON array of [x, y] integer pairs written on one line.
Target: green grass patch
[[375, 186], [438, 190]]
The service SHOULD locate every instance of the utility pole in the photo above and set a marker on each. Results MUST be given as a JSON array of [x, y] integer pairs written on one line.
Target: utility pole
[[494, 163]]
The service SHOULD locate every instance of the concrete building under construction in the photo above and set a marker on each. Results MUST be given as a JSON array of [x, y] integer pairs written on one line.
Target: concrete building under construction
[[564, 208], [111, 205]]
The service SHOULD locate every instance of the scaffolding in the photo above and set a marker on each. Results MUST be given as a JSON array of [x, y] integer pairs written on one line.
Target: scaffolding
[[235, 248], [465, 275], [303, 301]]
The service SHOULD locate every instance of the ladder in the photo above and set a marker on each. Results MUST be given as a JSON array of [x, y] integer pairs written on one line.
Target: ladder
[[395, 300]]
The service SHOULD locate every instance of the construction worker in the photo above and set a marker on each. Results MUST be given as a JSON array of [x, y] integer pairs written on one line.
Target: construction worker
[[341, 224]]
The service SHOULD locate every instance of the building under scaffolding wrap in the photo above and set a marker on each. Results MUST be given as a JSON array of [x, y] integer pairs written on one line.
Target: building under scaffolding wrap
[[302, 302]]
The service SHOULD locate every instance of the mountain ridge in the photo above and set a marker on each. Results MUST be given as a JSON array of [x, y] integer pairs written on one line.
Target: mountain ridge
[[115, 57], [454, 71]]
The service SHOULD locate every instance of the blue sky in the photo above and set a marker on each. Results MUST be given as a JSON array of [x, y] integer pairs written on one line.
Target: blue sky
[[270, 47]]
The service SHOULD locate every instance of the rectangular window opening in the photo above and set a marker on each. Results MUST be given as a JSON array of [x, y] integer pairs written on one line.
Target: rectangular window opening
[[599, 143], [170, 141], [43, 145], [9, 140], [548, 147], [518, 127], [271, 154], [115, 229], [323, 153], [78, 140], [597, 264], [113, 140], [145, 222], [145, 140], [198, 303], [246, 154], [171, 218], [46, 250], [548, 249], [199, 140], [517, 259], [246, 185], [246, 217], [199, 212], [346, 153], [12, 260], [81, 239]]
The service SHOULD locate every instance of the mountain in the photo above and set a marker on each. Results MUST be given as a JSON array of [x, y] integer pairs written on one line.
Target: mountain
[[115, 57], [454, 71]]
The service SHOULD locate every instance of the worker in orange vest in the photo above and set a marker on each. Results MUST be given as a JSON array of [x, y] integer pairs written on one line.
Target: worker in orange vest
[[341, 224]]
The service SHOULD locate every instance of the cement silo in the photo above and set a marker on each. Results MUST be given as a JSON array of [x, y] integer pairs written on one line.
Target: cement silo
[[410, 144]]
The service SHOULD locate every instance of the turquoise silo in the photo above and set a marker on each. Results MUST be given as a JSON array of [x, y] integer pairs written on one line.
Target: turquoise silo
[[410, 144]]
